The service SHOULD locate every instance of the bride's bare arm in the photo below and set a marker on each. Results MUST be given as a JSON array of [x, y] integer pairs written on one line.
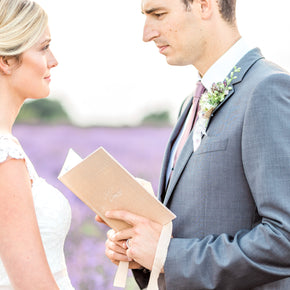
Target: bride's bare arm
[[21, 248]]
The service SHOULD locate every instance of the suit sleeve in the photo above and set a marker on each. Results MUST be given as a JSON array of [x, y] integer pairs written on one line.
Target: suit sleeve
[[260, 255]]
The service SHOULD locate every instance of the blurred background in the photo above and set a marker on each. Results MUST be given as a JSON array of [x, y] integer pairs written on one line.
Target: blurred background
[[108, 76], [112, 90]]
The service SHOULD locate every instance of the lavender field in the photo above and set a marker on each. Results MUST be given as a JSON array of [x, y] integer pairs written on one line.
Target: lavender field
[[140, 150]]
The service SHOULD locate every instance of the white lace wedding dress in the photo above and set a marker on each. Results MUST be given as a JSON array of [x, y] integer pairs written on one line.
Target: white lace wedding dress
[[53, 215]]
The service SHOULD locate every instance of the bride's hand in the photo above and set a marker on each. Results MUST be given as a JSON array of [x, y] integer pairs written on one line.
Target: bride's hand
[[116, 251]]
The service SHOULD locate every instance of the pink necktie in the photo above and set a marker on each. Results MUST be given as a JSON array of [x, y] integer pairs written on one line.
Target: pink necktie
[[190, 120]]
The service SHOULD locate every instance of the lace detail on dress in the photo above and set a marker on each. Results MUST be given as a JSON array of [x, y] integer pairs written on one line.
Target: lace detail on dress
[[9, 148]]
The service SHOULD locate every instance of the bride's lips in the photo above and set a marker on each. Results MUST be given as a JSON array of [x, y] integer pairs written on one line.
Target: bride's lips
[[47, 78]]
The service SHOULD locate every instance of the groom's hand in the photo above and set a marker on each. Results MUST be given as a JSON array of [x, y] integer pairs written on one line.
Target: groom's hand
[[142, 238], [100, 220], [116, 251]]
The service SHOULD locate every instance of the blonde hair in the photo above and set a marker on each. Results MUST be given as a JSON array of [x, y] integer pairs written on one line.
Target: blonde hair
[[22, 22]]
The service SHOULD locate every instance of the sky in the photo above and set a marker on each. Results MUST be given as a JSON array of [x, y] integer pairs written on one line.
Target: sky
[[108, 76]]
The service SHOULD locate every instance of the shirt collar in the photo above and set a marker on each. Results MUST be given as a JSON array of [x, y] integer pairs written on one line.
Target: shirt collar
[[223, 66]]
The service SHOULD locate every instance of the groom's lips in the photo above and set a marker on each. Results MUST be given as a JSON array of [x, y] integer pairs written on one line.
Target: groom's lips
[[162, 48]]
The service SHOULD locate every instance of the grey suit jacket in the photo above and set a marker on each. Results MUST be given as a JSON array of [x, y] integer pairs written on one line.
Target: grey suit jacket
[[232, 196]]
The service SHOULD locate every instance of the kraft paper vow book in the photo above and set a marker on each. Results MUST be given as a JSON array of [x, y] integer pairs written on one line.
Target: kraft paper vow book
[[103, 184]]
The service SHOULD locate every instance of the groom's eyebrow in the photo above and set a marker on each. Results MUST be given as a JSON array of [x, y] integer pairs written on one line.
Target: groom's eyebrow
[[152, 10]]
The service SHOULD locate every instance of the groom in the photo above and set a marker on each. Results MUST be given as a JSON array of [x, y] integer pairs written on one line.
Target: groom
[[229, 186]]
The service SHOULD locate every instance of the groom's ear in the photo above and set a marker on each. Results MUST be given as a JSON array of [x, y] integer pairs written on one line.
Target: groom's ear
[[206, 8]]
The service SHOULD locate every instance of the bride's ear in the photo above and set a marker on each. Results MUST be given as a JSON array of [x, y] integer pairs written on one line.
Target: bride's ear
[[5, 66]]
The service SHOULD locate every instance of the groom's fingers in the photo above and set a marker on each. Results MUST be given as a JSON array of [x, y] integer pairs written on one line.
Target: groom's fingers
[[100, 220], [115, 257], [126, 216], [122, 236], [116, 253], [116, 247], [135, 265], [114, 250]]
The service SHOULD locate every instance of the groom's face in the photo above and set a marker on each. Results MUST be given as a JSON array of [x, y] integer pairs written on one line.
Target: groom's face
[[174, 28]]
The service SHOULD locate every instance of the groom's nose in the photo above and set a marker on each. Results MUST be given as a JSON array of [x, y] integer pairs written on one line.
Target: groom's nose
[[149, 32]]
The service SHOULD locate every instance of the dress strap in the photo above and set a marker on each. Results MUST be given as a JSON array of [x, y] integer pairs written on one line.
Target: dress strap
[[10, 148]]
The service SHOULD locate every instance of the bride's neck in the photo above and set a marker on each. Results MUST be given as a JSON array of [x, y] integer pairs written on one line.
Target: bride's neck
[[9, 109]]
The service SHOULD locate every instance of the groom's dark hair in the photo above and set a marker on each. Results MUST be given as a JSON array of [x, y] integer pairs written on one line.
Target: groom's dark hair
[[227, 9]]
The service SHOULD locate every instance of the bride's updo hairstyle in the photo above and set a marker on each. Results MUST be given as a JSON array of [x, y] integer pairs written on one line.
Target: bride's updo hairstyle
[[22, 22]]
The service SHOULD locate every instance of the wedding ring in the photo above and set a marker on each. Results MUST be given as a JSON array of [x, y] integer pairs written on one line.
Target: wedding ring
[[127, 243]]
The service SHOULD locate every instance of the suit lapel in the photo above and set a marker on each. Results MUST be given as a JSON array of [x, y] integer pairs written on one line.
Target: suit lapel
[[245, 64], [174, 135], [184, 156]]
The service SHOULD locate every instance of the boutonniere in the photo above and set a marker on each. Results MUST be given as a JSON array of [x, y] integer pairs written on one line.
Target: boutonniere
[[208, 102]]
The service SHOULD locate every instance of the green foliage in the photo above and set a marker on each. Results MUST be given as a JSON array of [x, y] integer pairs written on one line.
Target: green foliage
[[160, 118], [42, 111], [90, 230], [221, 89]]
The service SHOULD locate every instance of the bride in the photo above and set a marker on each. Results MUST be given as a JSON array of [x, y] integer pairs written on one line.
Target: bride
[[34, 216]]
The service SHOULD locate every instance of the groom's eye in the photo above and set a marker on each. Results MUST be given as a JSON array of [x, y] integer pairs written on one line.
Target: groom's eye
[[159, 14]]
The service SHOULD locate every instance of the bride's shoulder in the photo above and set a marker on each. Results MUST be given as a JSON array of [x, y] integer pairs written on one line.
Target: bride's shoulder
[[10, 148]]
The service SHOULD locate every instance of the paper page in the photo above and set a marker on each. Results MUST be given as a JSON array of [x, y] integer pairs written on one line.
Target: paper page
[[72, 159]]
